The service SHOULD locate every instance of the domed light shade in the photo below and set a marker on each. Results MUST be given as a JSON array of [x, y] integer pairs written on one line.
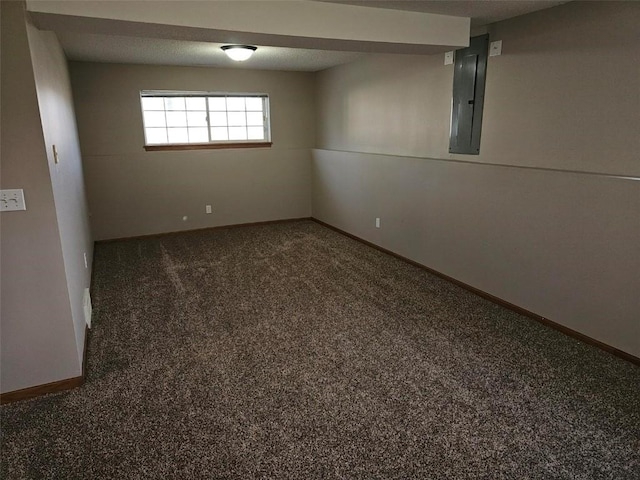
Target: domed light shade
[[239, 53]]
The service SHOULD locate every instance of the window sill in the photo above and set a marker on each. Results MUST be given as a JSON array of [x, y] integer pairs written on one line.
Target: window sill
[[206, 146]]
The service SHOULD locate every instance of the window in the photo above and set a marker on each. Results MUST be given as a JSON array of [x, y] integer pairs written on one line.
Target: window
[[184, 120]]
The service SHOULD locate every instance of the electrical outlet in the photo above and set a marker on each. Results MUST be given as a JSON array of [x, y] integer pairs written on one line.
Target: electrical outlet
[[86, 305], [56, 159], [208, 209], [377, 222], [11, 200], [495, 48], [448, 58], [86, 265]]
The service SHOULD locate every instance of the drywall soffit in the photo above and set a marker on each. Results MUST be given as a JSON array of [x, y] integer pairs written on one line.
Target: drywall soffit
[[291, 23]]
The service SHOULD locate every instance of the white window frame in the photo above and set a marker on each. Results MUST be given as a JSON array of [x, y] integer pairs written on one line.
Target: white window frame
[[211, 141]]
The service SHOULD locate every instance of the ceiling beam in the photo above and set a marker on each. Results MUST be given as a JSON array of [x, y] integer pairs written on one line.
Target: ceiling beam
[[290, 23]]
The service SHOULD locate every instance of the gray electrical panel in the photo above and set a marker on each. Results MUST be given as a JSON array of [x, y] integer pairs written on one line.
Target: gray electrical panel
[[468, 96]]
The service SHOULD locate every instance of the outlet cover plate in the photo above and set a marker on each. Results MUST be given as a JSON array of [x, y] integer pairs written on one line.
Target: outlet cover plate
[[495, 48], [86, 304], [448, 58]]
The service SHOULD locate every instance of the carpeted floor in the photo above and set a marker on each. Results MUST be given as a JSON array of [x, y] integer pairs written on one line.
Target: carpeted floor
[[289, 351]]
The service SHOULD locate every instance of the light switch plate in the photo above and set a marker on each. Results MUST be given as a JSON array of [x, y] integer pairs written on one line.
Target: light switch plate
[[11, 200], [448, 58], [495, 48]]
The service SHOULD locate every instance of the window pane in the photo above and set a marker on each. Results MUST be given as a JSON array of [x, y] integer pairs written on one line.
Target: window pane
[[176, 119], [218, 119], [154, 119], [152, 103], [196, 103], [204, 118], [254, 104], [197, 119], [217, 103], [174, 103], [235, 103], [254, 118], [255, 133], [237, 119], [237, 133], [156, 135], [198, 135], [219, 133], [178, 135]]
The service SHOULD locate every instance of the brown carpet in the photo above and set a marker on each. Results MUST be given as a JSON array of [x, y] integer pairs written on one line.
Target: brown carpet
[[289, 351]]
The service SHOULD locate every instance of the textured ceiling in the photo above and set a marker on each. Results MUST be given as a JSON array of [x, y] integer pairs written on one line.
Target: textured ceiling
[[143, 50], [481, 12]]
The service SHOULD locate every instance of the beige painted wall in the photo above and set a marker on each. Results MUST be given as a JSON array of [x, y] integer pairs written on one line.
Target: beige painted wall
[[564, 94], [57, 115], [539, 218], [562, 245], [38, 342], [132, 192]]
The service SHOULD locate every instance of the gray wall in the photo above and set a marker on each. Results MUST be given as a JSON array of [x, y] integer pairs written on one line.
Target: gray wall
[[59, 127], [132, 192], [542, 218], [38, 341]]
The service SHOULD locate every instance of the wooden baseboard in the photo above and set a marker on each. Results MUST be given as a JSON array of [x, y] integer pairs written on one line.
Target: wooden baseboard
[[550, 323], [53, 387], [38, 390], [220, 227]]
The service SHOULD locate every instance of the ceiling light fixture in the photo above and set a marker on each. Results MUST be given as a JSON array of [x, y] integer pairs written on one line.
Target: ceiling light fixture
[[239, 53]]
